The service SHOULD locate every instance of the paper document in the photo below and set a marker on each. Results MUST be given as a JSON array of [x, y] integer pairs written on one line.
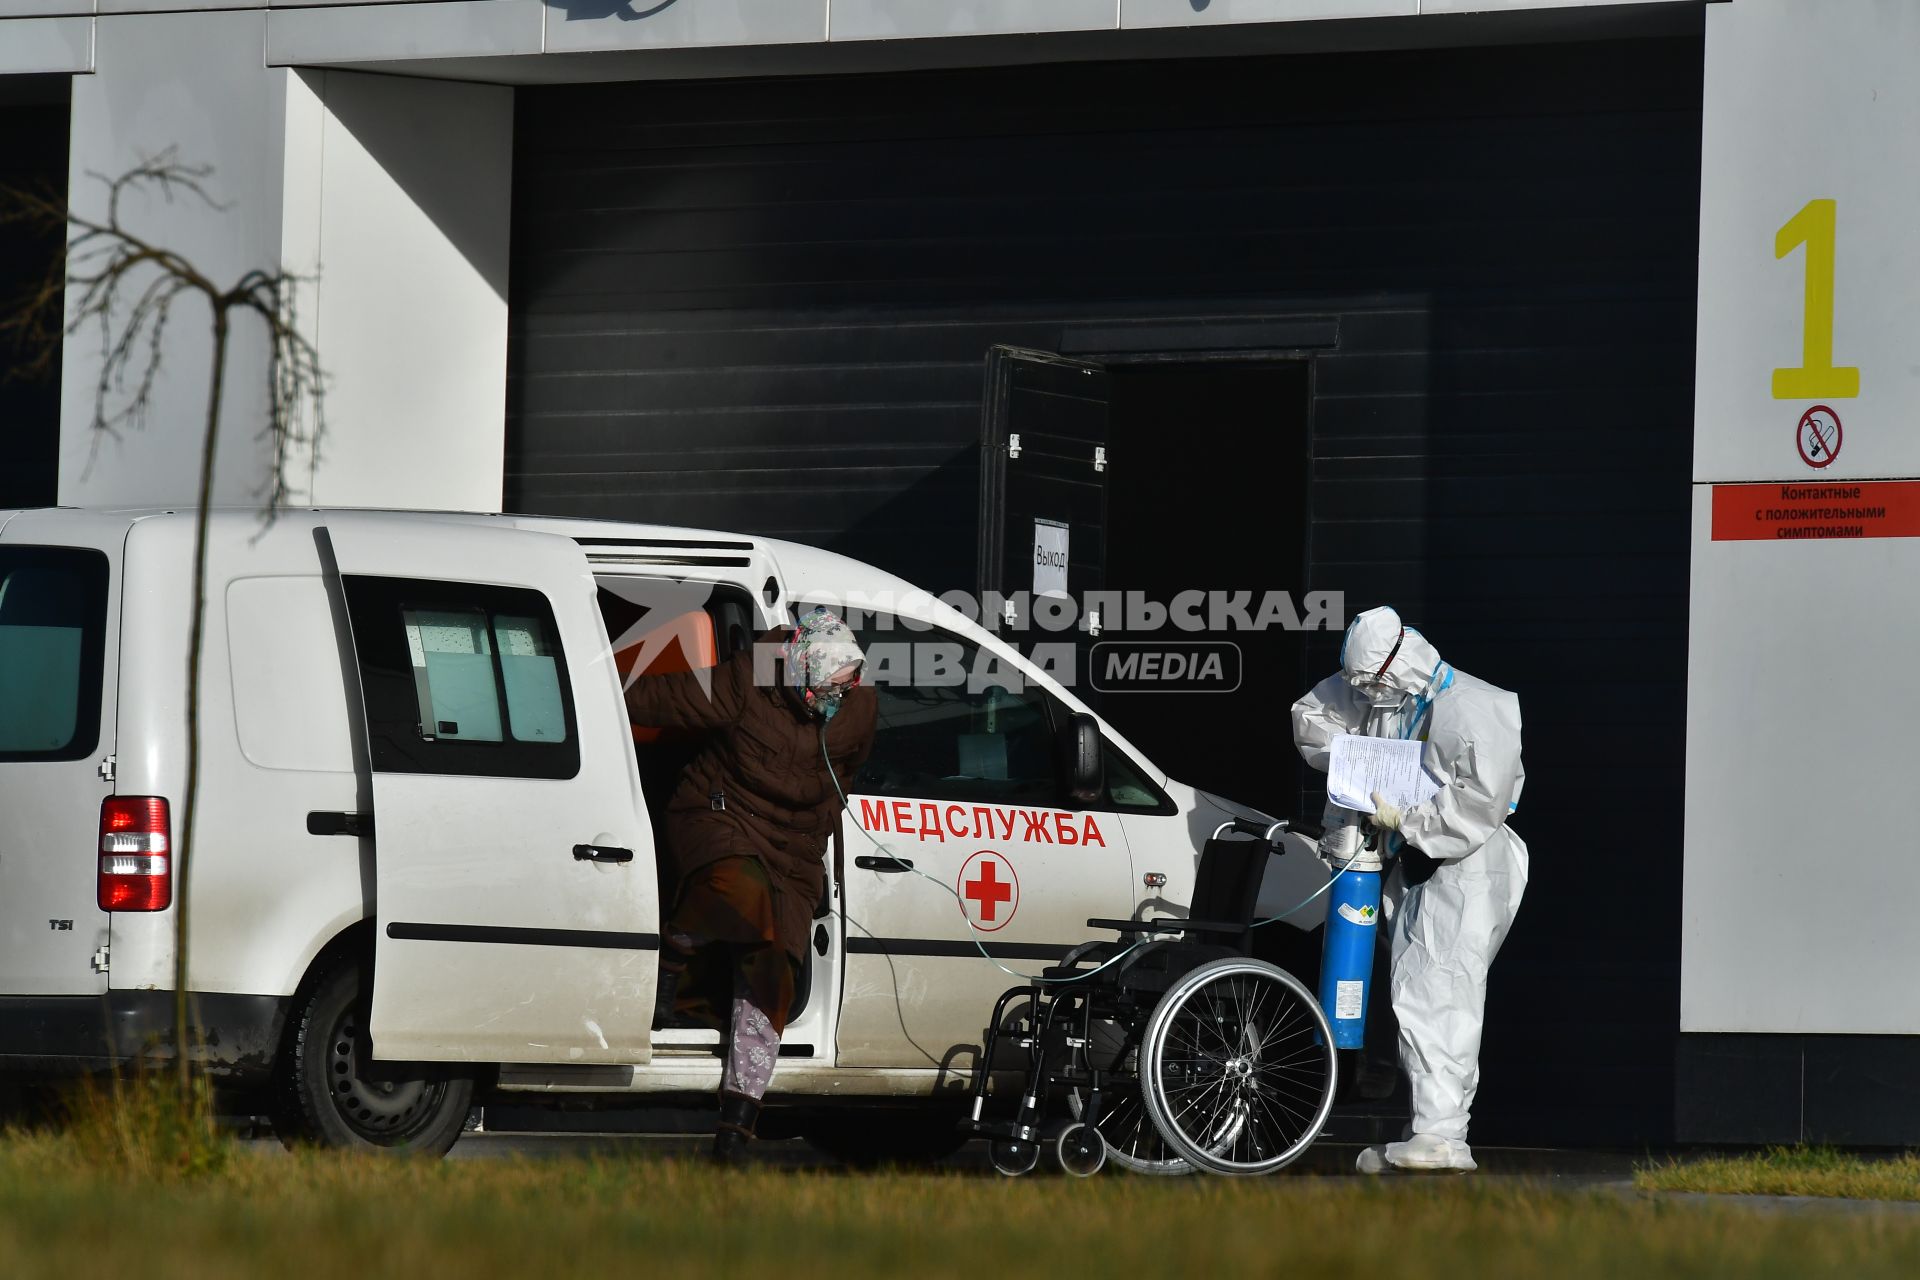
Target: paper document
[[1361, 766]]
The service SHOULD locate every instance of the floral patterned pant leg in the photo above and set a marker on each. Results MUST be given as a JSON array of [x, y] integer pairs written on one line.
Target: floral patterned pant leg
[[754, 1049]]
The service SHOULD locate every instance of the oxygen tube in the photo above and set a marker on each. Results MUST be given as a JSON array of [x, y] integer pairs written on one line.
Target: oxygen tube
[[973, 930]]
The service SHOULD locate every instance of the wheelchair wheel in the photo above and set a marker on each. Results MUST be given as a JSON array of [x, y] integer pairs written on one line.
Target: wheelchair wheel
[[1133, 1143], [1237, 1067], [1013, 1156], [1080, 1150]]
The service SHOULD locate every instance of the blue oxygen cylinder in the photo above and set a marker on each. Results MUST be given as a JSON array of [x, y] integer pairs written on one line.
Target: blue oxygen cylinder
[[1346, 961]]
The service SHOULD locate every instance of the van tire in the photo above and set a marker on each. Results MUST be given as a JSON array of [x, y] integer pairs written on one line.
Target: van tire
[[321, 1097]]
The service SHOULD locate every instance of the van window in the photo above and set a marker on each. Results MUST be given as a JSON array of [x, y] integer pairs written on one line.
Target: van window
[[946, 730], [1127, 789], [462, 678], [53, 634]]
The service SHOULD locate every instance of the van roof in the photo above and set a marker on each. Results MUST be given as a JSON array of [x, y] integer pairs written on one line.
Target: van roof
[[797, 559], [620, 530], [808, 570]]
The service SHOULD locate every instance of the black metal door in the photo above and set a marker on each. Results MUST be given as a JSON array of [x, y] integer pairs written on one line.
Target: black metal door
[[1043, 498]]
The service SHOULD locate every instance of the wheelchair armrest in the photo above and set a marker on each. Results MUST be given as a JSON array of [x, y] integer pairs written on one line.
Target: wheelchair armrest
[[1085, 949], [1167, 926]]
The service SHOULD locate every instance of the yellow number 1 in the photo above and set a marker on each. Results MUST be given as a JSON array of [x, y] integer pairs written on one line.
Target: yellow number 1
[[1816, 378]]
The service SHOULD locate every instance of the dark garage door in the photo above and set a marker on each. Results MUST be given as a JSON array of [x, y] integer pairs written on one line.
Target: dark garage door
[[33, 157], [765, 306]]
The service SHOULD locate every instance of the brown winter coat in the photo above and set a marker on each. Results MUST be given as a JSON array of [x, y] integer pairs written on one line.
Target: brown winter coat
[[761, 751]]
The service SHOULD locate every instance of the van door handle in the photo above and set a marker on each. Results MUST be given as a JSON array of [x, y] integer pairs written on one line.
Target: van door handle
[[339, 824], [869, 862], [601, 853]]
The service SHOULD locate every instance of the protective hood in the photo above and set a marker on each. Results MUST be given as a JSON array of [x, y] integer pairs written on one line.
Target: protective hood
[[1379, 645]]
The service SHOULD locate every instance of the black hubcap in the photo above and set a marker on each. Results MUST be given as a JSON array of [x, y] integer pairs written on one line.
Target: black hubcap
[[381, 1111]]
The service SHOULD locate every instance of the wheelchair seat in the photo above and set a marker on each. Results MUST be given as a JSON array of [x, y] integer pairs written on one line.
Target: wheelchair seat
[[1226, 886]]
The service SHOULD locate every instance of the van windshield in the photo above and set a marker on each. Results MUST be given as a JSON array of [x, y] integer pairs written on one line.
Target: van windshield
[[53, 631]]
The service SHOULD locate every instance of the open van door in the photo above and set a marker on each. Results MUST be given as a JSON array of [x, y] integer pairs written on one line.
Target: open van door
[[517, 912], [1043, 489]]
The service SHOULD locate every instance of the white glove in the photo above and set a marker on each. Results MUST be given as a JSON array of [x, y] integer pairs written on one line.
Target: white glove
[[1386, 816]]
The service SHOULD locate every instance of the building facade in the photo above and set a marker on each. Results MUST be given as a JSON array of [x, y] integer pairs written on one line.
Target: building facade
[[1404, 299]]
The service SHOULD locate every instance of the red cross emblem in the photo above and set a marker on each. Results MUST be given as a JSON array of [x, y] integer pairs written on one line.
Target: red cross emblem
[[989, 890]]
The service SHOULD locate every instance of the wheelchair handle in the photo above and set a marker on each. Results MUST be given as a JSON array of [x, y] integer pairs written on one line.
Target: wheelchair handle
[[1267, 831]]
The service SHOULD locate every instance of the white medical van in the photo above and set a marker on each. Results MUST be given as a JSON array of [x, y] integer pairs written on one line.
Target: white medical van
[[423, 870]]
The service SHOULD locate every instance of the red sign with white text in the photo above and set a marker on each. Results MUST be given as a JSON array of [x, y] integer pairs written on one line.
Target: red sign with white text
[[1816, 509]]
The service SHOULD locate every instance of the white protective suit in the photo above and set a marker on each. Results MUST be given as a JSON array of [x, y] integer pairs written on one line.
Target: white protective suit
[[1446, 931]]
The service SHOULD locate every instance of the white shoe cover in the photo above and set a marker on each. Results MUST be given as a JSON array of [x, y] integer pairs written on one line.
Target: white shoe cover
[[1422, 1153]]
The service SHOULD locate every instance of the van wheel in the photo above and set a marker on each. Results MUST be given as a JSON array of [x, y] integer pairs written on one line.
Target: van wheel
[[325, 1093]]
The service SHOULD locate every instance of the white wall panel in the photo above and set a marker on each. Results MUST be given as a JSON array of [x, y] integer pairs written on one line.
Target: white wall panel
[[192, 82], [897, 19], [175, 6], [1184, 13], [1800, 857], [576, 25], [1801, 680], [1809, 100], [380, 32], [411, 308], [40, 9], [50, 45]]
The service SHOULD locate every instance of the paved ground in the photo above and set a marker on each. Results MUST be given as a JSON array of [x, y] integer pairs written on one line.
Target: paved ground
[[1565, 1169]]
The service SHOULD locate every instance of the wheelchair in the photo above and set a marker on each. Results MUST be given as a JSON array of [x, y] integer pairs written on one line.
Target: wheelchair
[[1170, 1050]]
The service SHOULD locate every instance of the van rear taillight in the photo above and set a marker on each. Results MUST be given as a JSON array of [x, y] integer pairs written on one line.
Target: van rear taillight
[[136, 854]]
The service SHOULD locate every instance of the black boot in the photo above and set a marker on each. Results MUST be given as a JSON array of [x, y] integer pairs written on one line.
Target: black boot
[[738, 1115], [673, 967]]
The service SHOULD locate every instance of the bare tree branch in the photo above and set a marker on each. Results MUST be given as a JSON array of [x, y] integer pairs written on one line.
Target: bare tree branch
[[121, 287]]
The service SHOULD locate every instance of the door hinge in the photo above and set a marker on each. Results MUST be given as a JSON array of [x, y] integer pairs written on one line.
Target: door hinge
[[1099, 457], [1013, 444], [109, 767], [100, 959]]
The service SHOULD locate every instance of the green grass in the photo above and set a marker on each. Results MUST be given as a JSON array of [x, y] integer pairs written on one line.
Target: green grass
[[1791, 1171], [68, 1210]]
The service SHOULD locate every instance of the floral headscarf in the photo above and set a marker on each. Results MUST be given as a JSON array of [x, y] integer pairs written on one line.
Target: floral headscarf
[[821, 645]]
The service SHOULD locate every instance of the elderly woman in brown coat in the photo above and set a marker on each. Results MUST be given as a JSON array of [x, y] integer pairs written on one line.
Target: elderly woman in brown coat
[[747, 830]]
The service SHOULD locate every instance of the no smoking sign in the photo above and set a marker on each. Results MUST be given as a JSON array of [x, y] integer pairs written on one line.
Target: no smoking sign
[[1818, 436]]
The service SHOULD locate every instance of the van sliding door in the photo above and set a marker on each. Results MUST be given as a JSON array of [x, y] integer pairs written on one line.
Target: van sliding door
[[518, 913]]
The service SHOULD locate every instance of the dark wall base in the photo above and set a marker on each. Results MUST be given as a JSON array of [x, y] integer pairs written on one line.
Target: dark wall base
[[1753, 1089]]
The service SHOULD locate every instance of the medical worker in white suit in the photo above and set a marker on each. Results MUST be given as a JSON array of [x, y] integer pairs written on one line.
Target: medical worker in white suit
[[1448, 925]]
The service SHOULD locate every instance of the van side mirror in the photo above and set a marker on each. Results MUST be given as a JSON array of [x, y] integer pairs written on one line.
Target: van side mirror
[[1084, 769]]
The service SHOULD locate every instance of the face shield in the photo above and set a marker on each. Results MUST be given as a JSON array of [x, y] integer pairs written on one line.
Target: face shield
[[1380, 693], [1378, 687]]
